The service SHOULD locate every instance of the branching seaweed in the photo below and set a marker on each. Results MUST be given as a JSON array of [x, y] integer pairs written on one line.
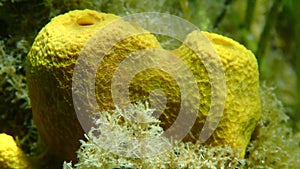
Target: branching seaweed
[[273, 144], [16, 118]]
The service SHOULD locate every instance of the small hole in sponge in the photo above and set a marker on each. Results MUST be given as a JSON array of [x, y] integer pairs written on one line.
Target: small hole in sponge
[[85, 21]]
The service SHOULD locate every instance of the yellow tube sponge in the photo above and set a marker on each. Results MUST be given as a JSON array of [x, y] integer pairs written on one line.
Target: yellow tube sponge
[[242, 106], [53, 56], [11, 156], [49, 78], [50, 65]]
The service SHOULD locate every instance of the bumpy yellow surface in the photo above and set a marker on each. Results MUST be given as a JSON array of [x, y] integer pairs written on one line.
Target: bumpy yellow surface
[[11, 156], [53, 55], [50, 64], [242, 106]]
